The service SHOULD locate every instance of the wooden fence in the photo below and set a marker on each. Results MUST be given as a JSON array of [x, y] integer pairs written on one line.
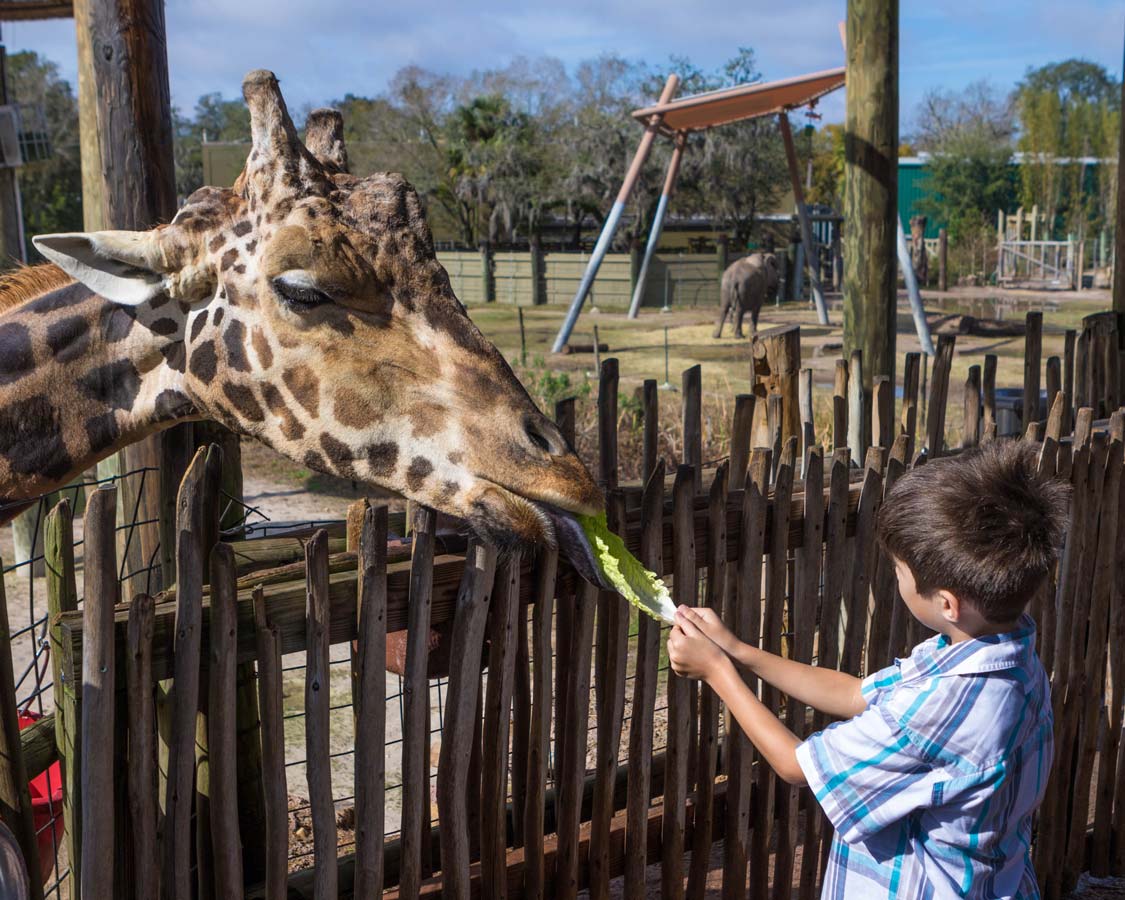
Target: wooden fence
[[550, 777]]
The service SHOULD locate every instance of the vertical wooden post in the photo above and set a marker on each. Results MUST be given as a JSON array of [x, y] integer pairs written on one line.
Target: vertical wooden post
[[1119, 237], [98, 689], [971, 435], [62, 596], [859, 404], [776, 368], [693, 423], [1033, 351], [910, 373], [370, 702], [988, 388], [943, 256], [143, 807], [275, 834], [487, 273], [840, 405], [740, 439], [650, 448], [538, 273], [871, 186], [939, 389]]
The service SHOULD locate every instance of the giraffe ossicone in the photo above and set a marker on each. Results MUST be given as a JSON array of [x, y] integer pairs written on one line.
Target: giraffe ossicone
[[304, 307]]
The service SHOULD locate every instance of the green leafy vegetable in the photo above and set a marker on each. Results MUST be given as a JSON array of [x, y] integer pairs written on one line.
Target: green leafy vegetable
[[624, 571]]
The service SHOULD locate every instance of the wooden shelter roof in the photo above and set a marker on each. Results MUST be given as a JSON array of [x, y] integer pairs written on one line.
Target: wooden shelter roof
[[15, 10], [745, 101]]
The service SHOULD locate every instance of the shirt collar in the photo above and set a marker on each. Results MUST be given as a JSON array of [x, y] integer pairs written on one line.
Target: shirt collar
[[988, 653]]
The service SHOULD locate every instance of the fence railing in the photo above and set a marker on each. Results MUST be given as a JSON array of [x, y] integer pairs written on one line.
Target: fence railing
[[550, 770]]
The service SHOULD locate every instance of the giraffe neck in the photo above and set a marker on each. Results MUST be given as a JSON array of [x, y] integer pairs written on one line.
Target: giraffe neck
[[80, 378]]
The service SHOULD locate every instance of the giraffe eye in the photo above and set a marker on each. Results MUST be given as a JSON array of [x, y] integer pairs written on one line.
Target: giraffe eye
[[299, 294]]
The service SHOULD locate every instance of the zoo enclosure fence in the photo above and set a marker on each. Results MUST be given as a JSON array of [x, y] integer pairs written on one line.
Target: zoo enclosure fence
[[781, 543]]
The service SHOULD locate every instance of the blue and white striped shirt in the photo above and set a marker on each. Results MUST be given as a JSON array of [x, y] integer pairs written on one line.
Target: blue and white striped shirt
[[932, 788]]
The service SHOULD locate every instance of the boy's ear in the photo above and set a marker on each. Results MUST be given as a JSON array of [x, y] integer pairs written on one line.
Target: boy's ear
[[950, 607]]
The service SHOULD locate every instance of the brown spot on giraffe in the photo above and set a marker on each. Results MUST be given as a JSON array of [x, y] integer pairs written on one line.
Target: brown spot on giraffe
[[305, 386], [354, 409], [261, 347]]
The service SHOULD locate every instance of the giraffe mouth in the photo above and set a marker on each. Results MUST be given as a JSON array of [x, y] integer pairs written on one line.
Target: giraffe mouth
[[572, 541]]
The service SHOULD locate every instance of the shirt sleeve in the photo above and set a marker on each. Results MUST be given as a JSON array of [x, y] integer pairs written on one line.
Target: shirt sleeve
[[877, 684], [866, 774]]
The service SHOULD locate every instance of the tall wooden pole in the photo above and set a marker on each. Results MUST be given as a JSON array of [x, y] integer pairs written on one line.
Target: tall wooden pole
[[1119, 234], [811, 262], [870, 186]]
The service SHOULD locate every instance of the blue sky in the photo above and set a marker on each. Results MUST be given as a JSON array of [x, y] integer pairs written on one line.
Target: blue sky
[[327, 48]]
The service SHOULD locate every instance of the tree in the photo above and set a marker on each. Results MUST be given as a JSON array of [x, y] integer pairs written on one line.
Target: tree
[[1068, 112], [969, 139], [51, 189]]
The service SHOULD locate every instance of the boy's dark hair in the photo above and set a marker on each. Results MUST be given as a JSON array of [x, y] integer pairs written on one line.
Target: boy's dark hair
[[983, 525]]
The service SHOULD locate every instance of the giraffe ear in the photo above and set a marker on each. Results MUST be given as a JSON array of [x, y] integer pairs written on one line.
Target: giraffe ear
[[127, 267]]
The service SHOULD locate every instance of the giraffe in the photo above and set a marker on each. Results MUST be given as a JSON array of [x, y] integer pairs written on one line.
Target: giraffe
[[304, 307]]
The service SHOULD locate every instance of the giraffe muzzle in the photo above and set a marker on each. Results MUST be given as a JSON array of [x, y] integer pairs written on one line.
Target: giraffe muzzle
[[574, 545]]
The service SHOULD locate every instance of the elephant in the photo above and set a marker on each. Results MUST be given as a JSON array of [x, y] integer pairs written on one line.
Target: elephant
[[747, 284]]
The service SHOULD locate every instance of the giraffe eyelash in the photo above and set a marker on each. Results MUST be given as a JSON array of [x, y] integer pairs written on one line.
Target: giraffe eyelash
[[300, 297]]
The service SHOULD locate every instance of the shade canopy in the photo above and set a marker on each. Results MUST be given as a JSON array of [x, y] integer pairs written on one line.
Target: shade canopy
[[17, 10], [746, 101]]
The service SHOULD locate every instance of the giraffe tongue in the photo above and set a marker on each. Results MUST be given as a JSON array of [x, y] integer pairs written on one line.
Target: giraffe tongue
[[575, 545]]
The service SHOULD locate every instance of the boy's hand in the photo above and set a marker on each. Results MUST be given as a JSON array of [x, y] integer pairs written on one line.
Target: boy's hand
[[692, 653], [707, 621]]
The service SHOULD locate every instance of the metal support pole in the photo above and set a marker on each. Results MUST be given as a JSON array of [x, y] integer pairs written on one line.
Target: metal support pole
[[658, 222], [803, 218], [920, 323], [612, 220]]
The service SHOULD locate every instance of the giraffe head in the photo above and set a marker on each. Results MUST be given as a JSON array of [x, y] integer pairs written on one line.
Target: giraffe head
[[315, 316]]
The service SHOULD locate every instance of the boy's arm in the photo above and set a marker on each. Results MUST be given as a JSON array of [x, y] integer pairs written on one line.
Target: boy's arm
[[827, 690], [694, 655]]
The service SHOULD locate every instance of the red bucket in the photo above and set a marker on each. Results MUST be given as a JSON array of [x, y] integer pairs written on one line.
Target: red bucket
[[46, 804]]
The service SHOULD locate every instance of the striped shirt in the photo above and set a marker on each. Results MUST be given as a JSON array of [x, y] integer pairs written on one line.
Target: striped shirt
[[931, 789]]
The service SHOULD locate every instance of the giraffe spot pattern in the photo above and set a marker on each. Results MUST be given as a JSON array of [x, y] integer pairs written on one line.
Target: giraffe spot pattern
[[420, 469], [116, 322], [198, 324], [204, 361], [172, 404], [304, 384], [243, 228], [291, 427], [102, 431], [165, 327], [68, 338], [219, 313], [354, 410], [234, 338], [175, 355], [228, 259], [68, 296], [31, 438], [262, 348], [116, 384], [16, 358], [217, 243], [243, 400], [382, 458], [315, 461], [339, 454]]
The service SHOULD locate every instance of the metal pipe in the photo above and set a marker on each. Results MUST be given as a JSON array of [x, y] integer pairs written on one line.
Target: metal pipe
[[916, 310], [658, 222], [803, 218], [612, 220]]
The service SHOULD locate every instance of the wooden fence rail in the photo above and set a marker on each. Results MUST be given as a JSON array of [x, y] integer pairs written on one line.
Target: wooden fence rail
[[532, 801]]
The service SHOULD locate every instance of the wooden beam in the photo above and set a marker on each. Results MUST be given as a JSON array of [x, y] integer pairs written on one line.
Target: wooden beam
[[17, 11], [1119, 237], [870, 186]]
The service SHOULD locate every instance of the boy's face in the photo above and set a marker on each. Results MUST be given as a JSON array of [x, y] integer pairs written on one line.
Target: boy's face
[[929, 609]]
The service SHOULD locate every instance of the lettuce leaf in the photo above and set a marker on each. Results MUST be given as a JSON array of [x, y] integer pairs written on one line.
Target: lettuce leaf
[[624, 571]]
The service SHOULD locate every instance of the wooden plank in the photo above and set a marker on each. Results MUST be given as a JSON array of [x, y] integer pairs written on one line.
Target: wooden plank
[[858, 437], [971, 430], [684, 590], [497, 718], [840, 405], [650, 441], [611, 713], [1068, 377], [806, 609], [772, 626], [100, 592], [693, 423], [318, 679], [276, 836], [62, 597], [416, 706], [883, 405], [222, 726], [1032, 360], [521, 721], [183, 696], [910, 373], [888, 622], [370, 702], [573, 766], [143, 812], [469, 626], [707, 755], [988, 395], [939, 389], [856, 599], [745, 621], [835, 561], [775, 369], [740, 439], [808, 427], [534, 819], [644, 696], [564, 625], [1054, 379]]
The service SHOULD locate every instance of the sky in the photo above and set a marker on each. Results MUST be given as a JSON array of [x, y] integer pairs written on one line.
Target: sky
[[327, 48]]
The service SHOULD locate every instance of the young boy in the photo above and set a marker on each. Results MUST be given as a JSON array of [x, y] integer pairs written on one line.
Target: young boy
[[932, 777]]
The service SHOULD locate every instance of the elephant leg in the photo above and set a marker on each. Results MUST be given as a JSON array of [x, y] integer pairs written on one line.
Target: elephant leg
[[754, 320], [739, 313]]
